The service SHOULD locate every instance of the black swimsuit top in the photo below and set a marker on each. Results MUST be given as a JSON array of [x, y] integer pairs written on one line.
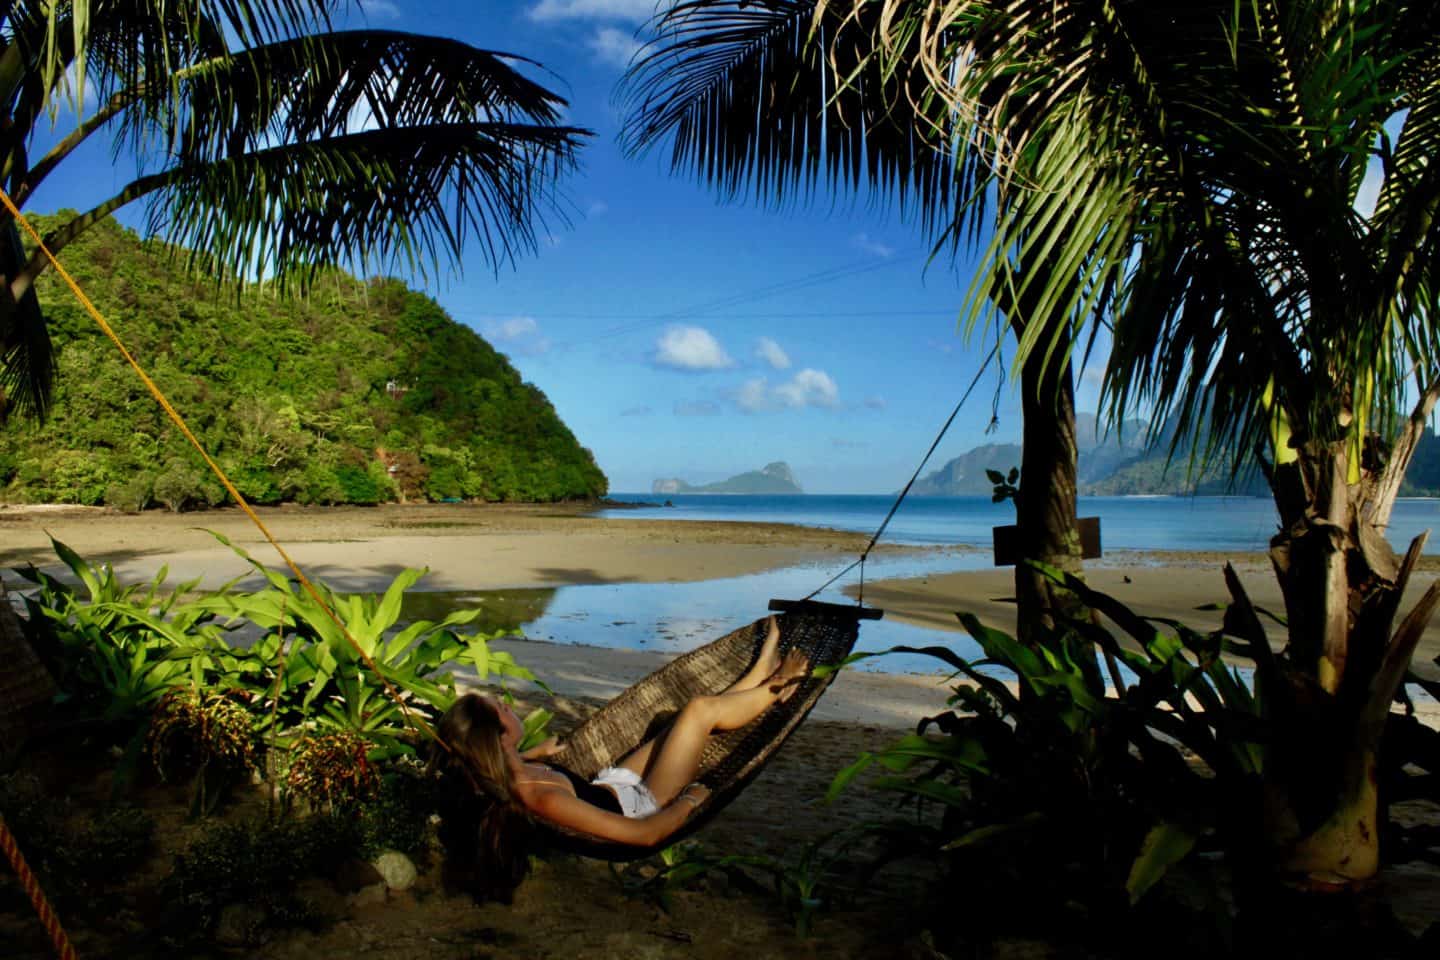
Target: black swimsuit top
[[592, 793]]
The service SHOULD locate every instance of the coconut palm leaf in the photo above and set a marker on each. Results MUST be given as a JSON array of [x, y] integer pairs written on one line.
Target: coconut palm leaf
[[27, 361], [412, 197], [781, 99]]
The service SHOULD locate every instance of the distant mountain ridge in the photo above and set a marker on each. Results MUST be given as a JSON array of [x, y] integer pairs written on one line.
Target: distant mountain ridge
[[773, 478], [1120, 464], [1101, 455]]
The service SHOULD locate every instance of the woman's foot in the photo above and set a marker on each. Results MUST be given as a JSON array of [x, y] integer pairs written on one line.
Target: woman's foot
[[793, 671], [767, 661]]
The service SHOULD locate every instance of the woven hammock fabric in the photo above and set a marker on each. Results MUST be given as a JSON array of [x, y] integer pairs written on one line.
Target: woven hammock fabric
[[827, 634]]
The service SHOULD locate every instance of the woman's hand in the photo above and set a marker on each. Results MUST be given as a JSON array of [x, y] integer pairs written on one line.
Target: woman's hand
[[693, 796]]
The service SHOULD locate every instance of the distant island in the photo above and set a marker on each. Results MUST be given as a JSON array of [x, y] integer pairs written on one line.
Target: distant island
[[774, 478]]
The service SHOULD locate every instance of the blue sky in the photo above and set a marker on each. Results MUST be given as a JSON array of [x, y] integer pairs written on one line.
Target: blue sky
[[682, 336]]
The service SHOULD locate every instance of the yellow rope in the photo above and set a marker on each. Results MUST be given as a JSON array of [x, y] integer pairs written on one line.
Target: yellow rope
[[179, 422]]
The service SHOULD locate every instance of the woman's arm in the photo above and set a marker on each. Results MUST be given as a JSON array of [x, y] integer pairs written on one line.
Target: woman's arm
[[564, 809]]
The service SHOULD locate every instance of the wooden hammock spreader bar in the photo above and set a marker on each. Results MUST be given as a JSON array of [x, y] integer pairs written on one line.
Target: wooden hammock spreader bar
[[841, 610]]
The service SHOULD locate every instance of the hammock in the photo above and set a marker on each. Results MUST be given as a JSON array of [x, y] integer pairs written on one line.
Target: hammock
[[825, 631]]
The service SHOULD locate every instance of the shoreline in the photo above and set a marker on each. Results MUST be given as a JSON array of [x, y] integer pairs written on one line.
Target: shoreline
[[493, 547]]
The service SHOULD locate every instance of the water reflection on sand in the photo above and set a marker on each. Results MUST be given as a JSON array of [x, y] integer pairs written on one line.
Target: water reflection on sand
[[676, 617]]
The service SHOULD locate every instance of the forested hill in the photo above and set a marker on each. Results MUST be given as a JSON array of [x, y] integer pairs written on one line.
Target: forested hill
[[359, 393]]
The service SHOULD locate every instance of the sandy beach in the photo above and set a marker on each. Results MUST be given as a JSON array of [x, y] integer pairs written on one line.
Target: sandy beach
[[577, 908], [503, 546]]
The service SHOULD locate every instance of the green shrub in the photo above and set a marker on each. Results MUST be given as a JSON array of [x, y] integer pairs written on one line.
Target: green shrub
[[77, 477], [132, 495], [356, 485], [71, 861], [181, 486], [445, 481]]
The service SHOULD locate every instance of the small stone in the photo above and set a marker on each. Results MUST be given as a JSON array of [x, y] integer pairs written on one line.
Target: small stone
[[395, 869]]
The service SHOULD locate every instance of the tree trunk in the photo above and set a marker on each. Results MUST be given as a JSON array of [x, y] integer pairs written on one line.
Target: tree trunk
[[1045, 505], [1328, 700]]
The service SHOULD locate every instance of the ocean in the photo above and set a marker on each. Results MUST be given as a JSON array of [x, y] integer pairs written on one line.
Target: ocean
[[677, 617], [1240, 524]]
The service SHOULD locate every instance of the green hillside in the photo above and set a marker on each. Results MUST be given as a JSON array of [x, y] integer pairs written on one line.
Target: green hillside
[[359, 393]]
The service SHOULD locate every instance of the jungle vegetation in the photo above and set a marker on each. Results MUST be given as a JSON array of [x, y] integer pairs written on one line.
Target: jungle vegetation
[[360, 392]]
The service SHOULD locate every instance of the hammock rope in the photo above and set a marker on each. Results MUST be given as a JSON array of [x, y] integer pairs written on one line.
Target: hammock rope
[[860, 562], [63, 948]]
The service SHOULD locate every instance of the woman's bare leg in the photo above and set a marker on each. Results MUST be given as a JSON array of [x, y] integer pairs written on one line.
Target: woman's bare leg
[[674, 758], [766, 663]]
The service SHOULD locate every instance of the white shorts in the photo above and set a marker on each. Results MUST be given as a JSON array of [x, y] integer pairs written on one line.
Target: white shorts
[[636, 800]]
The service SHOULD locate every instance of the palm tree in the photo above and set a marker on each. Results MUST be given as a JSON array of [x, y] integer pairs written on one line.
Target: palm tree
[[1201, 169], [786, 97], [268, 143]]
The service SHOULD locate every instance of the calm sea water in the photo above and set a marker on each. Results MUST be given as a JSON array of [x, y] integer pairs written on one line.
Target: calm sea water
[[681, 616], [1126, 523], [677, 617]]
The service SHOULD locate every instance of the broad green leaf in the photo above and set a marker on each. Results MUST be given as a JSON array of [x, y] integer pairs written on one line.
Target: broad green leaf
[[1165, 845]]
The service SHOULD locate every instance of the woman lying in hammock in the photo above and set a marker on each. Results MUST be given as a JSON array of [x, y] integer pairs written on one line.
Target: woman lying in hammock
[[494, 790]]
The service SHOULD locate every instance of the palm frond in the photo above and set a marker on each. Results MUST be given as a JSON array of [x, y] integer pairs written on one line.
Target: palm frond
[[308, 88], [27, 359], [411, 197], [780, 99]]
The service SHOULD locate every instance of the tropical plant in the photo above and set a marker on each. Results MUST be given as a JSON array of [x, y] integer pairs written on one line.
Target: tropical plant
[[118, 649], [340, 663], [271, 143], [790, 97], [207, 738], [1259, 212], [1077, 769]]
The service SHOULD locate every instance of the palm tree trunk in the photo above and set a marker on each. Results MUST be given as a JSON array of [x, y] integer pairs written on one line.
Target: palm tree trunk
[[1045, 505], [1328, 702]]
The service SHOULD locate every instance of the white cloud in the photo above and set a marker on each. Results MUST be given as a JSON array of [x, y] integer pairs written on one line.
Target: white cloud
[[612, 46], [769, 351], [521, 334], [636, 11], [809, 388], [696, 408], [380, 9], [863, 241], [691, 348]]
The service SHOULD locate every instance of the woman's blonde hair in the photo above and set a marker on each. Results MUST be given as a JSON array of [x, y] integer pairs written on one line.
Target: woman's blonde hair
[[484, 827]]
